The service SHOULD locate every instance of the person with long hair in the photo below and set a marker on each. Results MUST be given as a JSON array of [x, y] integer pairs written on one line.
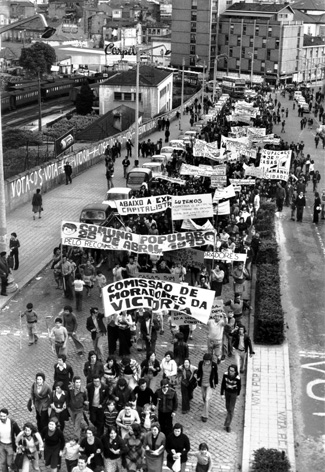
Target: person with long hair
[[111, 372], [113, 449], [177, 447], [154, 445], [59, 401], [30, 443], [40, 399], [230, 387], [150, 368], [92, 447], [54, 443], [93, 367]]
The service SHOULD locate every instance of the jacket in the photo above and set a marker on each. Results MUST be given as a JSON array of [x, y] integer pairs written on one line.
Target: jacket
[[76, 401], [116, 444], [213, 374], [167, 403], [135, 367], [14, 431], [91, 325], [103, 394], [154, 325], [247, 341]]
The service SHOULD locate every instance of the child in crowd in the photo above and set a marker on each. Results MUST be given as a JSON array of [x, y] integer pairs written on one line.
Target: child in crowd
[[71, 453], [31, 319], [110, 415]]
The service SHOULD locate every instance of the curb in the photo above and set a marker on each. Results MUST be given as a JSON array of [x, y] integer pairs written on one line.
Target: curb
[[249, 379], [290, 433]]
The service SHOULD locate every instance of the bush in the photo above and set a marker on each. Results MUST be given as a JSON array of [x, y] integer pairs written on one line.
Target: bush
[[270, 460], [268, 251], [77, 122], [14, 138], [269, 316]]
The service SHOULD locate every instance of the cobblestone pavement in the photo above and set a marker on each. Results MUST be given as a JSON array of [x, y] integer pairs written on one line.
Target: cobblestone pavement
[[18, 368]]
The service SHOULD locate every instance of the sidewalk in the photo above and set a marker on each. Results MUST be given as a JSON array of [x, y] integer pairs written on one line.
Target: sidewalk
[[38, 238]]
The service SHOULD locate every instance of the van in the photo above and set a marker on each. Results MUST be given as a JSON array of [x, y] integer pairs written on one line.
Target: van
[[96, 214], [297, 95], [139, 176], [117, 193]]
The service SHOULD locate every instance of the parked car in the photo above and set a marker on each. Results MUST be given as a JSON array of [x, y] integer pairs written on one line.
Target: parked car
[[139, 176], [160, 158], [96, 214], [168, 151], [117, 193], [156, 167]]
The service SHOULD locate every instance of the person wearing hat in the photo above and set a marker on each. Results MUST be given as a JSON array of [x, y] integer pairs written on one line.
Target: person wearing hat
[[167, 403], [207, 378], [4, 272]]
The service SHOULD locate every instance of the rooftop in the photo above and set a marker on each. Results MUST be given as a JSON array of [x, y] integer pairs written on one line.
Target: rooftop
[[149, 77], [313, 40], [309, 5], [258, 7]]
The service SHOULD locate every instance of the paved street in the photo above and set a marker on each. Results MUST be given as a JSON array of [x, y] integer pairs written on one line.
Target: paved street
[[302, 251], [38, 238]]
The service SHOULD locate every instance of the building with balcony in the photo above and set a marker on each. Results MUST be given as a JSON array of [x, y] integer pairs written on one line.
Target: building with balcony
[[311, 60]]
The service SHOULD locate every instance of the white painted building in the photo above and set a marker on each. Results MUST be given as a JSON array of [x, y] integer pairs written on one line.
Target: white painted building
[[156, 91]]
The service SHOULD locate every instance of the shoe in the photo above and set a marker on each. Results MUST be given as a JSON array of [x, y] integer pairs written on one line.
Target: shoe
[[39, 217], [29, 344], [191, 337], [204, 419], [242, 371], [4, 294], [228, 429], [33, 217], [36, 339]]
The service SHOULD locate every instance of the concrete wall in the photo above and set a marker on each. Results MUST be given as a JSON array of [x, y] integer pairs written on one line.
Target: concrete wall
[[20, 189]]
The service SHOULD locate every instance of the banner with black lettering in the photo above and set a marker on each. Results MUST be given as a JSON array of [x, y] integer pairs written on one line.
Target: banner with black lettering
[[226, 255], [159, 276], [276, 164], [192, 206], [99, 237], [135, 293], [144, 205]]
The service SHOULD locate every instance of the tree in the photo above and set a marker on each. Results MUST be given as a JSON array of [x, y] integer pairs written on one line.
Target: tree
[[39, 57], [84, 101]]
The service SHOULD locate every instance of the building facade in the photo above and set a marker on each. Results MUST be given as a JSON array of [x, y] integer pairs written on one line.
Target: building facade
[[259, 40], [155, 91]]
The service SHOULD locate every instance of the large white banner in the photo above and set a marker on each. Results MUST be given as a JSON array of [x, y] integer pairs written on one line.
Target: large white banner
[[251, 171], [191, 226], [242, 181], [227, 192], [222, 208], [143, 205], [173, 180], [100, 237], [187, 169], [276, 164], [203, 149], [192, 206], [157, 295]]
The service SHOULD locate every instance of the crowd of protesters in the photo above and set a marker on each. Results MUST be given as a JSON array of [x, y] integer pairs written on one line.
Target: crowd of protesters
[[121, 412]]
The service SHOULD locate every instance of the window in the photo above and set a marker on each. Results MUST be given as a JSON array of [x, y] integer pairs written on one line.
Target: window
[[193, 38], [193, 16], [244, 29], [193, 27], [230, 52], [192, 60], [117, 96], [277, 43], [192, 49], [213, 38], [226, 39], [275, 67], [263, 42], [268, 54], [237, 63], [242, 52], [213, 50], [269, 31], [231, 29], [257, 30], [262, 65], [251, 41], [194, 4], [238, 41]]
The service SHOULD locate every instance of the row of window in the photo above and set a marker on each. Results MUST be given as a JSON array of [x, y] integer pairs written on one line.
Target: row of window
[[126, 96], [58, 87]]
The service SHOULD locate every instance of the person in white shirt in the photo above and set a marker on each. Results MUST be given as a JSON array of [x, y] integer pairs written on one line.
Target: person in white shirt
[[9, 430], [169, 367], [30, 443], [78, 284], [126, 418]]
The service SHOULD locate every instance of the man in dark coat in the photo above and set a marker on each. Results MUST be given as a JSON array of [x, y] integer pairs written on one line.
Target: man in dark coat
[[149, 330], [68, 173], [4, 272], [97, 396]]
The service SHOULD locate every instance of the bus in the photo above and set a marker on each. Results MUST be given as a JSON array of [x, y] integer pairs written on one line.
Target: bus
[[234, 86]]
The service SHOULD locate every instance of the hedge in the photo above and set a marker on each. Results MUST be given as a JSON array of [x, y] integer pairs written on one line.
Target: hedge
[[269, 316], [270, 460]]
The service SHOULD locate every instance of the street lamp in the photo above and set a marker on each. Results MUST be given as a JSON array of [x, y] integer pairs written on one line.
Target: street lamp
[[139, 50], [3, 219], [251, 54], [219, 56]]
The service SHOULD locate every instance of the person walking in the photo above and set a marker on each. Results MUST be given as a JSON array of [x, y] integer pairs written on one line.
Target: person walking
[[283, 126], [125, 164], [78, 285], [68, 173], [40, 399], [30, 444], [54, 443], [77, 402], [70, 323], [14, 246], [98, 395], [63, 372], [92, 367], [95, 325], [31, 320], [230, 388], [242, 344], [167, 403], [113, 449], [4, 273], [37, 203], [9, 430], [129, 146], [300, 205], [207, 378], [317, 208], [59, 335], [177, 447], [154, 446]]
